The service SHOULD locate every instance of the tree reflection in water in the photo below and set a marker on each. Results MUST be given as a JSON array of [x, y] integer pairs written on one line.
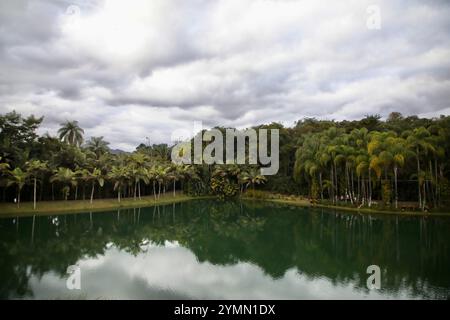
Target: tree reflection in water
[[413, 253]]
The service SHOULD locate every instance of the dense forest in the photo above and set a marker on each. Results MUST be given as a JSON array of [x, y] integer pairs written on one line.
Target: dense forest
[[367, 162]]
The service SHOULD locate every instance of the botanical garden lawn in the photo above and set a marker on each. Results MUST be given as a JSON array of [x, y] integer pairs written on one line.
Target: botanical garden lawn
[[298, 201], [56, 207]]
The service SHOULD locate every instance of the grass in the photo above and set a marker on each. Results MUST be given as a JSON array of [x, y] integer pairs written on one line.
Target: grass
[[299, 201], [75, 206]]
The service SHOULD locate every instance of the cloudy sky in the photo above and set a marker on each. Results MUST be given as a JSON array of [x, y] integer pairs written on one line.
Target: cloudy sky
[[128, 70]]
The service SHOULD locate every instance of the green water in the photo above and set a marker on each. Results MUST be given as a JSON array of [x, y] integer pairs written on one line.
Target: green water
[[224, 250]]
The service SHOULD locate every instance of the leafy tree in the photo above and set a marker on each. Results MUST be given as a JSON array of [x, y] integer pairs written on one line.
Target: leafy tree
[[67, 178], [34, 169], [71, 133], [19, 179]]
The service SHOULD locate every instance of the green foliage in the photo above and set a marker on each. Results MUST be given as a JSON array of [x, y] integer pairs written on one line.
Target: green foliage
[[223, 187], [351, 162], [386, 192]]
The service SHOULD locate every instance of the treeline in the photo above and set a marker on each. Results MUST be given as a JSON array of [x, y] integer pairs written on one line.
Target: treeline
[[66, 167], [387, 162], [362, 163]]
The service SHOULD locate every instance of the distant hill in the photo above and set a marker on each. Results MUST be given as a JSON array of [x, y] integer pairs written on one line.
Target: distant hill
[[116, 151]]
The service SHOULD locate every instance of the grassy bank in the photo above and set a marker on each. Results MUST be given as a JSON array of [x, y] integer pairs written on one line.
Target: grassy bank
[[56, 207], [299, 201]]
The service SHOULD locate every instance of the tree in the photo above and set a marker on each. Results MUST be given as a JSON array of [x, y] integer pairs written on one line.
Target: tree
[[67, 178], [255, 178], [34, 169], [98, 146], [417, 141], [95, 176], [120, 177], [174, 174], [71, 133], [18, 178]]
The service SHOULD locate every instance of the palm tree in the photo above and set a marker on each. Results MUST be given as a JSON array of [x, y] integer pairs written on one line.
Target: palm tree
[[255, 178], [398, 149], [19, 178], [120, 177], [138, 175], [34, 169], [243, 179], [174, 174], [160, 175], [418, 143], [66, 177], [362, 167], [96, 177], [71, 133], [98, 146]]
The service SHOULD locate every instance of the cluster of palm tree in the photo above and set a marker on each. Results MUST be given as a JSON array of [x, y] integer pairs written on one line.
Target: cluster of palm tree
[[125, 172], [349, 166], [359, 162], [228, 179]]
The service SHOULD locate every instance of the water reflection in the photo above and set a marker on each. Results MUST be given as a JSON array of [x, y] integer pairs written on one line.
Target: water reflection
[[212, 249]]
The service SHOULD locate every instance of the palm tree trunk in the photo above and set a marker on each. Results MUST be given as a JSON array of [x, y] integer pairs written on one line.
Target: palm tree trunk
[[332, 185], [396, 189], [418, 178], [336, 180], [92, 192], [139, 190], [34, 196], [358, 188], [135, 188], [349, 185], [321, 189], [159, 190], [433, 190], [18, 198], [154, 189], [438, 198], [369, 202], [174, 187]]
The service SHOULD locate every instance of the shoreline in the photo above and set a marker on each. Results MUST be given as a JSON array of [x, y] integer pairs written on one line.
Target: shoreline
[[76, 206], [57, 207], [306, 203]]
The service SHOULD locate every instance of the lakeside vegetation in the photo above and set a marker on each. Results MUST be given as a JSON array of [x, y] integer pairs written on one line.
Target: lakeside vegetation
[[77, 206], [398, 164]]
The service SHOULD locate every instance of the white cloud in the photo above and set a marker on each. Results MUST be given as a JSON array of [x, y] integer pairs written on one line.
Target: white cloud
[[130, 70]]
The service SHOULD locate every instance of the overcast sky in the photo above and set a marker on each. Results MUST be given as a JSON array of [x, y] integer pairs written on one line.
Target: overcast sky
[[128, 70]]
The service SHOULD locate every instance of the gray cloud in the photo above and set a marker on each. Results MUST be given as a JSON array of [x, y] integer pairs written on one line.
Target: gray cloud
[[128, 71]]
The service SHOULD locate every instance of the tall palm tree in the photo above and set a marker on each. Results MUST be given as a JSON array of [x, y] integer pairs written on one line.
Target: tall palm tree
[[95, 176], [67, 178], [34, 169], [417, 141], [19, 178], [119, 174], [97, 145], [71, 133], [160, 176], [255, 178], [398, 149], [174, 175]]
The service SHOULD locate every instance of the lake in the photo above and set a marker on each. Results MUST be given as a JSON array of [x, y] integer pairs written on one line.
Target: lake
[[210, 249]]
